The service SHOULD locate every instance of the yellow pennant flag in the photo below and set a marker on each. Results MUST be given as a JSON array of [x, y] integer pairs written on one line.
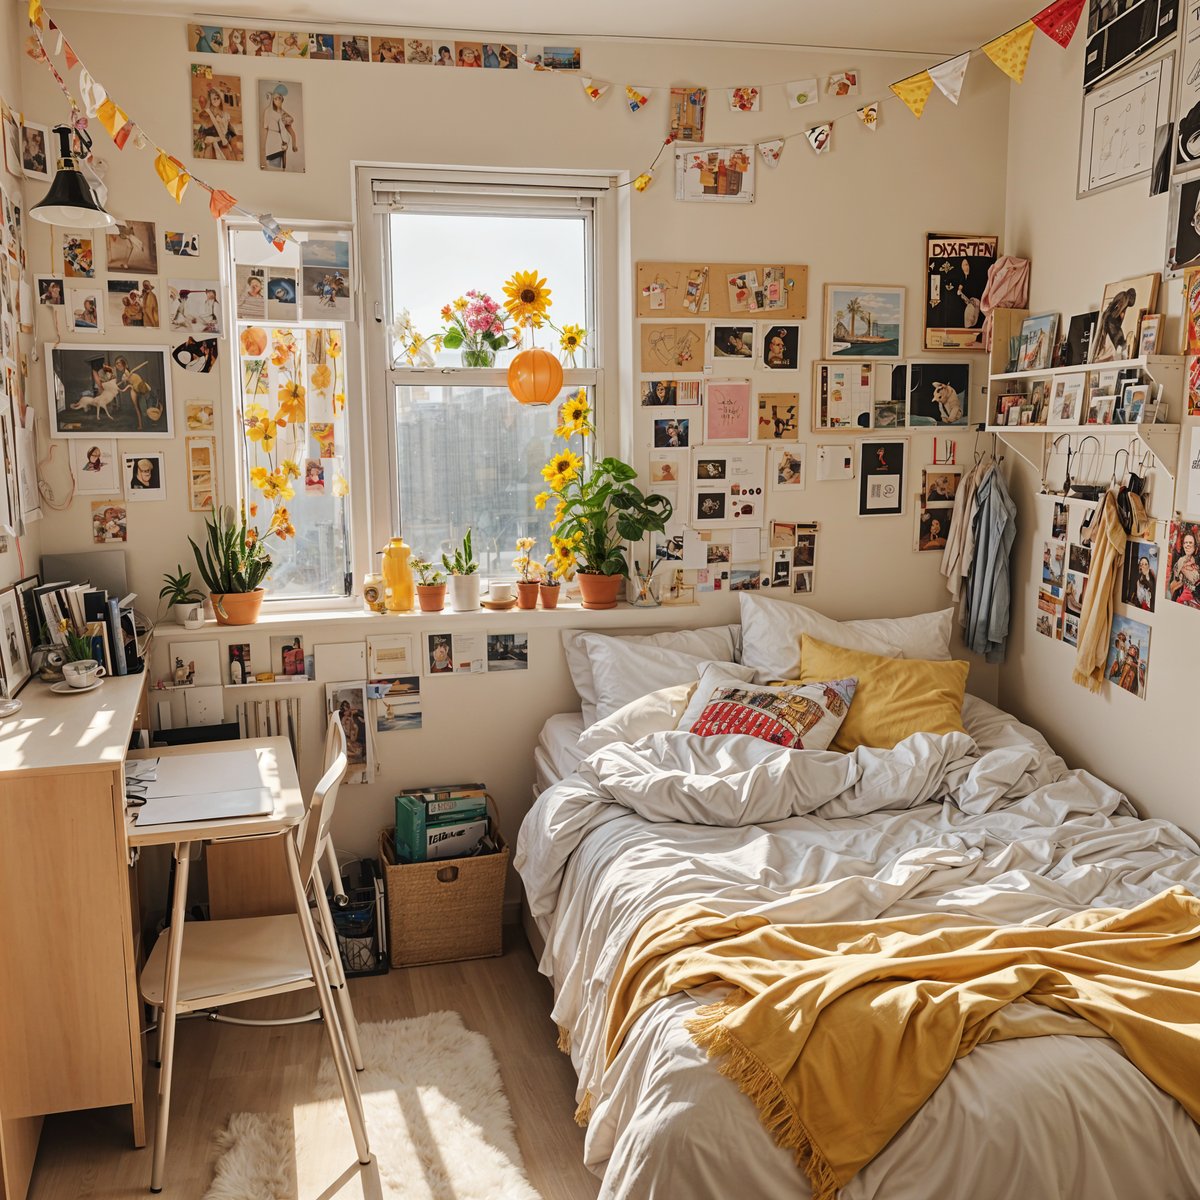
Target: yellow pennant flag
[[1010, 51], [914, 91], [111, 117], [35, 13], [175, 178]]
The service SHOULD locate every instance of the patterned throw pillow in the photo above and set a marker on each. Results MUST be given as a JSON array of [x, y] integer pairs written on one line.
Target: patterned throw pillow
[[799, 716]]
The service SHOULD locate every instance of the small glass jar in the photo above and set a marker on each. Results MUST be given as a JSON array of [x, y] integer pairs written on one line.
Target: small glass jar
[[644, 589], [372, 592]]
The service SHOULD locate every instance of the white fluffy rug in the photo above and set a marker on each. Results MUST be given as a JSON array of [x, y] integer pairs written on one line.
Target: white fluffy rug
[[438, 1119]]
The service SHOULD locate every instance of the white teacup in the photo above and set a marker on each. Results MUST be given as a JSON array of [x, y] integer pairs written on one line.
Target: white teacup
[[500, 592], [83, 672]]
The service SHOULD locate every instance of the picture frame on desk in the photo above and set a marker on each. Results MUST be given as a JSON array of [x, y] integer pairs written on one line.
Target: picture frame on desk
[[29, 618], [14, 656], [1066, 400]]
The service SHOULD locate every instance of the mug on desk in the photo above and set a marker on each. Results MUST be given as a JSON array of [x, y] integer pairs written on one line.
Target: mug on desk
[[83, 672], [501, 593]]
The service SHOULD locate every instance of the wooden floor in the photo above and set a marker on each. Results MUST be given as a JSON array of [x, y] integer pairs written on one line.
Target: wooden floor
[[226, 1068]]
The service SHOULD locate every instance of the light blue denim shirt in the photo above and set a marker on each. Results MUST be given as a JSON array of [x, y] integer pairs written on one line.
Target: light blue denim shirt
[[989, 583]]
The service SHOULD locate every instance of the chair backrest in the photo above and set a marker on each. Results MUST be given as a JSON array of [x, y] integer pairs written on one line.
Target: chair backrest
[[314, 830]]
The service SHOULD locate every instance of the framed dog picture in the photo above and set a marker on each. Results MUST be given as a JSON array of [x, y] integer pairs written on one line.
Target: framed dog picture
[[109, 391], [938, 392]]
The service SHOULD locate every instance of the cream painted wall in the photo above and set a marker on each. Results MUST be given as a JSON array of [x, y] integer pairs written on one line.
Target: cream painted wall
[[1077, 246], [857, 215], [20, 556]]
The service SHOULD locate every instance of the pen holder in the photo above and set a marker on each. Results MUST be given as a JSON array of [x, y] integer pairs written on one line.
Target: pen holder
[[644, 589]]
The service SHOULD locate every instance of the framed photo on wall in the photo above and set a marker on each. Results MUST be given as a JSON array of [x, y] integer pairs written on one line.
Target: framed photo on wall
[[881, 478], [956, 271], [1120, 33], [109, 391], [939, 393], [863, 320], [1183, 225]]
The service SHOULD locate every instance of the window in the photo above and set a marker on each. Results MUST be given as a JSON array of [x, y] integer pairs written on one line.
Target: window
[[296, 410], [464, 453]]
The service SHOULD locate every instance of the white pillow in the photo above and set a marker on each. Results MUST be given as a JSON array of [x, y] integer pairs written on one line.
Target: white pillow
[[654, 713], [719, 643], [623, 671], [771, 631]]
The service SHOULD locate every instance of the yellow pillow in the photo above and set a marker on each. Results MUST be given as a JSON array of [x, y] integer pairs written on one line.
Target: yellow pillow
[[895, 697]]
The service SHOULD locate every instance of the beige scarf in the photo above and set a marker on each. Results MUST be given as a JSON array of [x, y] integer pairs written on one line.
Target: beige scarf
[[1095, 620]]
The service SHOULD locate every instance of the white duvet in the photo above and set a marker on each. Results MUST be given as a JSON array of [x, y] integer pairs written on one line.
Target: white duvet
[[990, 825]]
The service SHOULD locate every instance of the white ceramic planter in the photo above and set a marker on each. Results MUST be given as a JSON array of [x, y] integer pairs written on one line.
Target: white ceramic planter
[[464, 593], [190, 616]]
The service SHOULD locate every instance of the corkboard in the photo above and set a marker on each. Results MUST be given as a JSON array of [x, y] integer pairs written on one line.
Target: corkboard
[[674, 277]]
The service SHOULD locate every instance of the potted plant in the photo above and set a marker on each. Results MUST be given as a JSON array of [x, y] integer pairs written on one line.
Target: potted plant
[[464, 578], [549, 587], [234, 562], [530, 574], [599, 509], [179, 594], [431, 586]]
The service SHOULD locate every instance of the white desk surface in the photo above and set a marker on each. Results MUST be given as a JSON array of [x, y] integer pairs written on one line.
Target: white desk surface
[[55, 734], [276, 771]]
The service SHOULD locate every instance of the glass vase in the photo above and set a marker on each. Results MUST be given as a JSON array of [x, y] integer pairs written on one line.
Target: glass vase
[[485, 356], [644, 590]]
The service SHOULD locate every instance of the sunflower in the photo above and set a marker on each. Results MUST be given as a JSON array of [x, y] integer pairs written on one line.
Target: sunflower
[[572, 339], [574, 416], [528, 297], [321, 376], [561, 557], [560, 511], [291, 403], [539, 501], [561, 469]]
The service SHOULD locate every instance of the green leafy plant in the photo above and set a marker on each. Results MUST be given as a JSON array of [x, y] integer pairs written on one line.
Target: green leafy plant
[[599, 508], [427, 573], [75, 647], [177, 588], [234, 558], [462, 563]]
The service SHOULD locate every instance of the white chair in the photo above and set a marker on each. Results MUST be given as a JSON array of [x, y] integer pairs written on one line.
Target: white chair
[[213, 963]]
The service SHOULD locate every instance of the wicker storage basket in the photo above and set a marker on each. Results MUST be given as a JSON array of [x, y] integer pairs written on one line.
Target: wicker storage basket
[[446, 910]]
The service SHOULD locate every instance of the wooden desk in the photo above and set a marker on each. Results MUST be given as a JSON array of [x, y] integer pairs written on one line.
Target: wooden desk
[[70, 1020]]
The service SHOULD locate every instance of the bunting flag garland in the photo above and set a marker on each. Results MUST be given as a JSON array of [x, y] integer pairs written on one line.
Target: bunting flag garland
[[1059, 20], [802, 92], [643, 181], [219, 203], [594, 88], [123, 134], [171, 171], [72, 61], [771, 151], [111, 117], [91, 93], [1010, 51], [745, 99], [869, 115], [949, 76], [914, 91], [635, 99], [820, 137], [35, 13]]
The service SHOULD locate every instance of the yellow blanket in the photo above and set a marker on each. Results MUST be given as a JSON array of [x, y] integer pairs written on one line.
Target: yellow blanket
[[839, 1033]]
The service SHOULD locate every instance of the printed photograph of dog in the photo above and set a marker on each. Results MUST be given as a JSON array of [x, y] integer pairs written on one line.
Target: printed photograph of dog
[[938, 393], [113, 391]]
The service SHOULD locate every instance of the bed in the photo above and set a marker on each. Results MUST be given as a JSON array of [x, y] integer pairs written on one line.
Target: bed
[[989, 825]]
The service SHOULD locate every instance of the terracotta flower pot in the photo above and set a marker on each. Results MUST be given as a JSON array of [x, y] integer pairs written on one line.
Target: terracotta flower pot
[[431, 596], [549, 593], [237, 608], [527, 594], [600, 591]]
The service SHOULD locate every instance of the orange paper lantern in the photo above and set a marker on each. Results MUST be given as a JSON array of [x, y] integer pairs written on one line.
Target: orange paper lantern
[[535, 377]]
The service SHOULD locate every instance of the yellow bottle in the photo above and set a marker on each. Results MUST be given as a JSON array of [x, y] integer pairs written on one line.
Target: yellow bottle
[[397, 577]]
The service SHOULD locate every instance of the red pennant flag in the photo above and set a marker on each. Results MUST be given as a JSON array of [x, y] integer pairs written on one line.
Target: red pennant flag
[[219, 203], [72, 58], [122, 135], [1058, 20]]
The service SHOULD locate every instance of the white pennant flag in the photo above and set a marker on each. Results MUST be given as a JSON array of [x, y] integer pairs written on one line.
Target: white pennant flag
[[92, 94], [820, 137], [949, 76], [594, 89], [771, 151]]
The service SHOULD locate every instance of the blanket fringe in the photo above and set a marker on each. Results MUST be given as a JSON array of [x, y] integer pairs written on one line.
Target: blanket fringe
[[761, 1085], [564, 1039], [583, 1114], [1092, 682]]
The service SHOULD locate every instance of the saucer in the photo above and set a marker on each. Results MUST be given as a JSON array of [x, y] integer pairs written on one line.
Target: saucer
[[8, 707], [65, 689], [499, 605]]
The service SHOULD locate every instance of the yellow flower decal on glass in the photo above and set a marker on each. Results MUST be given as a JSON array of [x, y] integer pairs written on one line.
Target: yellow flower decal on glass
[[322, 376], [281, 524], [341, 486], [333, 343], [262, 431], [291, 403], [527, 298]]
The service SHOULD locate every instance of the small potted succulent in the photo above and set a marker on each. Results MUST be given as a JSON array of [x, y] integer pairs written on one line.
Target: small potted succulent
[[464, 577], [234, 562], [431, 586], [530, 574], [186, 600]]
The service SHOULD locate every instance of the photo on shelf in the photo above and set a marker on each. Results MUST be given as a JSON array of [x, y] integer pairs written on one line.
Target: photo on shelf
[[287, 656], [1074, 349], [240, 669], [1120, 312], [1066, 400], [1037, 342]]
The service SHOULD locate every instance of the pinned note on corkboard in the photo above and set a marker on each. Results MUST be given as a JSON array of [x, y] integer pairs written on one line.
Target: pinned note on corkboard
[[767, 291]]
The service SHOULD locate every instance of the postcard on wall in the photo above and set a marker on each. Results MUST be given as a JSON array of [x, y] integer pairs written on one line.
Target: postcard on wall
[[687, 113], [715, 174], [347, 704], [218, 123], [956, 274], [728, 486], [194, 305], [132, 248], [728, 411], [109, 521], [133, 303], [788, 468], [455, 654], [281, 294], [856, 395], [391, 654], [672, 348], [863, 321], [667, 393], [37, 153], [780, 346], [145, 476], [1187, 104], [397, 702], [181, 243], [250, 288], [778, 417], [1128, 662], [672, 433], [202, 478], [50, 290], [1183, 564], [731, 342], [938, 392], [507, 652], [95, 466], [325, 280], [113, 391], [281, 138], [1049, 612], [834, 463], [78, 257], [85, 309], [1183, 238], [881, 478]]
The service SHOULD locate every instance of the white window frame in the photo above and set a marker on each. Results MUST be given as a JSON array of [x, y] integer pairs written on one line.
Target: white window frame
[[229, 434], [482, 190]]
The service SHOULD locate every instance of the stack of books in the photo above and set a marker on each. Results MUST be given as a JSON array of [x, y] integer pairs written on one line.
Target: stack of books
[[449, 821], [106, 621]]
